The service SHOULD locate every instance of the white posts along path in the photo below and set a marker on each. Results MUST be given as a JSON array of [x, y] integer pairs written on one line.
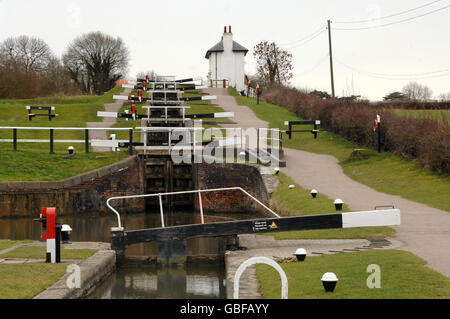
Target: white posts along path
[[424, 230]]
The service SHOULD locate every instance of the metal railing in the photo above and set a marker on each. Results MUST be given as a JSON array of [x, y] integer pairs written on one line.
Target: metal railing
[[233, 137], [52, 130], [199, 192]]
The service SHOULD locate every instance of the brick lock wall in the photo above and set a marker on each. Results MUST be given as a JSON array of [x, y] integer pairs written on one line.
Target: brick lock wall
[[210, 176], [78, 194]]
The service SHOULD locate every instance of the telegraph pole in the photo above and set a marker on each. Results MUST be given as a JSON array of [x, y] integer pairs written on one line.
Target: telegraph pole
[[331, 59]]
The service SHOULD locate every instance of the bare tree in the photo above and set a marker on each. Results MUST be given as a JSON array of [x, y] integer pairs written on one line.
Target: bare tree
[[57, 80], [28, 53], [24, 63], [274, 65], [95, 61], [444, 97], [416, 91]]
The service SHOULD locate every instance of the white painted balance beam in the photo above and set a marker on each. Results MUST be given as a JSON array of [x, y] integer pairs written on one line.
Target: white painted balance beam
[[132, 86], [107, 143], [120, 97], [107, 114], [387, 217], [223, 114], [209, 97]]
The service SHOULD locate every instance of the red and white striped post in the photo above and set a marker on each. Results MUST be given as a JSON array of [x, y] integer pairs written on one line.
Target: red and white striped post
[[133, 111], [48, 218]]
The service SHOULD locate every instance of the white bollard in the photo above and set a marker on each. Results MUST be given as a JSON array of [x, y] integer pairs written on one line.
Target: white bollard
[[113, 138]]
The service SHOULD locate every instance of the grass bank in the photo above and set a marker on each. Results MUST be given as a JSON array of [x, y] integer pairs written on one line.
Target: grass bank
[[40, 165], [24, 281], [5, 244], [439, 115], [403, 276], [298, 202], [38, 252], [33, 161], [384, 172]]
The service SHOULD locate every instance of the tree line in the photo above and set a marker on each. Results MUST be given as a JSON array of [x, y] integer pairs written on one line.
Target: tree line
[[91, 64]]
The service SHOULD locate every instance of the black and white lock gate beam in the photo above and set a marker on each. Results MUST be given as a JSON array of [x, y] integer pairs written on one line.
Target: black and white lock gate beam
[[159, 79], [189, 116], [388, 217], [168, 86], [145, 99]]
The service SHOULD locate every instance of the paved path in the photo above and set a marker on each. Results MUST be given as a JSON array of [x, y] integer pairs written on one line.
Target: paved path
[[425, 231], [243, 116], [107, 122]]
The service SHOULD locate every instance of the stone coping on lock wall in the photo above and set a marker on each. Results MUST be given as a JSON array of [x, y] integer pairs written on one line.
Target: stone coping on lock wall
[[92, 270], [270, 180], [68, 182]]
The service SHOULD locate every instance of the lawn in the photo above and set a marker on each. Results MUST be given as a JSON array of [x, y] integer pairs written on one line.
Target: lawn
[[299, 202], [384, 172], [439, 115], [40, 165], [403, 276], [38, 252], [33, 161], [4, 244], [24, 281]]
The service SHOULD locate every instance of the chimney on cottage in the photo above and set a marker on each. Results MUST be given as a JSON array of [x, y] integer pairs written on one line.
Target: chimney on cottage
[[227, 39]]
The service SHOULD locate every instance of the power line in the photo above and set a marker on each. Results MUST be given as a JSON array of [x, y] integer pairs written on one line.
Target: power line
[[413, 76], [389, 16], [307, 41], [319, 63], [396, 22], [303, 38]]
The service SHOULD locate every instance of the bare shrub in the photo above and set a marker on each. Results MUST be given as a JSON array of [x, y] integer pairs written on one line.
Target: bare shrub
[[423, 139]]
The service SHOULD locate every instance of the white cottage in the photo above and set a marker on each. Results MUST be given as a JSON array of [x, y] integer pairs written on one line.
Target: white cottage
[[227, 62]]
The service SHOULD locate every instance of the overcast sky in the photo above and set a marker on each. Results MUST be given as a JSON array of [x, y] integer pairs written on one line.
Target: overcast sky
[[172, 37]]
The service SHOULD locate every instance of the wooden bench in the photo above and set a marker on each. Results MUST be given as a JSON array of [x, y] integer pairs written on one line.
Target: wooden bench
[[48, 112], [316, 123]]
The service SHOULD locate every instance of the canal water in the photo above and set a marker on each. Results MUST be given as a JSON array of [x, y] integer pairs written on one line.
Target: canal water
[[136, 277]]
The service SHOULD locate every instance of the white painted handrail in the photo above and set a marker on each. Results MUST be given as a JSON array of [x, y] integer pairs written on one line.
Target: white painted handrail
[[177, 193], [260, 260]]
